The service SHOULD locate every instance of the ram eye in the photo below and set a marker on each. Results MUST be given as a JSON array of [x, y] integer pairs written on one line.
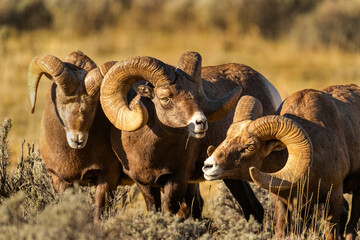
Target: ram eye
[[164, 99], [251, 147]]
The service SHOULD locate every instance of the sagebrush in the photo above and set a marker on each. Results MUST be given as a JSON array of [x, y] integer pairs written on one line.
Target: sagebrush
[[30, 209]]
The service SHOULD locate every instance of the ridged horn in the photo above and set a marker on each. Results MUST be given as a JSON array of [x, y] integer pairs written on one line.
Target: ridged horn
[[79, 59], [53, 68], [299, 149], [248, 108], [190, 62], [216, 110], [117, 82], [94, 78]]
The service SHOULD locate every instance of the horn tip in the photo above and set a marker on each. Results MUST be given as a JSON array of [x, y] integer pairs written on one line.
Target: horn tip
[[138, 115], [238, 91], [254, 174], [32, 105], [33, 101], [273, 185], [252, 171]]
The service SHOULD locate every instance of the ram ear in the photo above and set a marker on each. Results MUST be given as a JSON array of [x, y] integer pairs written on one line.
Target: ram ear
[[145, 91], [210, 150]]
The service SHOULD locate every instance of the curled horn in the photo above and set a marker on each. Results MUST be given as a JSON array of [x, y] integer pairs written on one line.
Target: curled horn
[[80, 60], [299, 147], [94, 78], [190, 62], [216, 110], [117, 82], [54, 69], [248, 108]]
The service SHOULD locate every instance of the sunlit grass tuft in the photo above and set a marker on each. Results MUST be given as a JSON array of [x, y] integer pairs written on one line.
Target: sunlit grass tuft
[[31, 209]]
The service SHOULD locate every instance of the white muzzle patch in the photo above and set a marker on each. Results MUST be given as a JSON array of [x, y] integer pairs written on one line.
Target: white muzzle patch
[[77, 140], [211, 169], [198, 125]]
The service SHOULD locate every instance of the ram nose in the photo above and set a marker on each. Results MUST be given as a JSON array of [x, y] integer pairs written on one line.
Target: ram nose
[[198, 125], [77, 140], [211, 169]]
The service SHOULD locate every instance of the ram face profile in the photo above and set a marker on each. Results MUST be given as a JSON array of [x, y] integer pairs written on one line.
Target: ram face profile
[[177, 113], [316, 135], [170, 107], [74, 133], [176, 93]]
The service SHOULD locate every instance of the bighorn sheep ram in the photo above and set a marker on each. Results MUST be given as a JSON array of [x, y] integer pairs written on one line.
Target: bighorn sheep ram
[[163, 142], [75, 134], [320, 130]]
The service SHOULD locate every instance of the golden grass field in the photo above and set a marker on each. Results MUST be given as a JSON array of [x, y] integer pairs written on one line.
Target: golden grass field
[[285, 64], [289, 65]]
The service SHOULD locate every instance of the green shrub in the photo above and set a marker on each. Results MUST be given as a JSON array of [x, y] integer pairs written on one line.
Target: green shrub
[[229, 218], [154, 226], [32, 178], [69, 219], [84, 16], [30, 209], [12, 216], [5, 187], [332, 23], [24, 14], [311, 22], [272, 18], [29, 177]]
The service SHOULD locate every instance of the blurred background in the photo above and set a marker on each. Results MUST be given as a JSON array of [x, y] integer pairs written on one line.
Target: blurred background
[[296, 44]]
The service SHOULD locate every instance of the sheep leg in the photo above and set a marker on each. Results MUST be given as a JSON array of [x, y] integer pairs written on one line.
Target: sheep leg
[[245, 196], [355, 214], [151, 196], [174, 192], [100, 198], [282, 216], [344, 216], [59, 184], [193, 200], [106, 184], [332, 227]]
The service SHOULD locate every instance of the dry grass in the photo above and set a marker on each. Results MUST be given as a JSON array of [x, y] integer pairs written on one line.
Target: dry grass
[[218, 30], [30, 209]]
